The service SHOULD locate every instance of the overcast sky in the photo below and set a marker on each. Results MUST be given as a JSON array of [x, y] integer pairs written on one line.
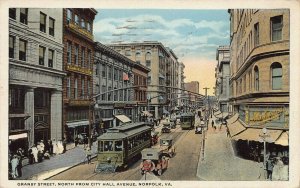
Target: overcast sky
[[193, 35]]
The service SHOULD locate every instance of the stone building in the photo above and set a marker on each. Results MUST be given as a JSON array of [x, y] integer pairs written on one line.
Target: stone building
[[181, 78], [35, 76], [157, 57], [78, 62], [222, 76], [259, 64], [192, 86], [113, 72]]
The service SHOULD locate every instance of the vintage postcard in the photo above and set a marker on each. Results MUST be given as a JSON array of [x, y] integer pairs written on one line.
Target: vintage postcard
[[149, 94]]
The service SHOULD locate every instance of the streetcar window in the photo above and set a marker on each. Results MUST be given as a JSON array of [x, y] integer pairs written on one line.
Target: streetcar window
[[108, 145], [100, 143], [118, 145]]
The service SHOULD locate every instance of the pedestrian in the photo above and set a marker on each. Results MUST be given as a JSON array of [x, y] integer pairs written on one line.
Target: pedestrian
[[47, 147], [88, 155], [14, 164], [42, 146], [76, 141], [50, 147], [270, 166], [20, 157], [64, 145], [34, 152], [212, 123], [47, 155]]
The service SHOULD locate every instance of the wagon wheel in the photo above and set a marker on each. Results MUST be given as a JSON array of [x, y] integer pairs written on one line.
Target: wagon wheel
[[159, 172]]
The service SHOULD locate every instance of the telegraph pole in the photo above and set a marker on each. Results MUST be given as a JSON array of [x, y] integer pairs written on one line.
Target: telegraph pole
[[206, 122]]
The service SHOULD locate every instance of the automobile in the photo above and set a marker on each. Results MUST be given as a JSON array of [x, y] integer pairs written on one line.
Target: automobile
[[173, 123], [82, 138], [198, 130], [166, 127], [153, 161]]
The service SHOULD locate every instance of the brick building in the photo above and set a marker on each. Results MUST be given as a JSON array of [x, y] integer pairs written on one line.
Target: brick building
[[259, 81], [78, 62]]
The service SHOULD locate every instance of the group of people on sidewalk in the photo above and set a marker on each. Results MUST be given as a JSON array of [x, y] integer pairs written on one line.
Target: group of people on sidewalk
[[36, 154]]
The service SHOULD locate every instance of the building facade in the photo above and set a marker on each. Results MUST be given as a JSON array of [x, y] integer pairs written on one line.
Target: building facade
[[222, 76], [181, 78], [155, 56], [35, 76], [192, 86], [78, 61], [259, 81], [113, 72]]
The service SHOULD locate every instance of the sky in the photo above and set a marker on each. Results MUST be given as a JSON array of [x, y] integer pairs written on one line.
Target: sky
[[193, 35]]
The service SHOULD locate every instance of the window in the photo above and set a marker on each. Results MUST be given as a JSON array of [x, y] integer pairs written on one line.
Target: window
[[75, 89], [115, 94], [43, 22], [41, 98], [121, 95], [127, 53], [51, 26], [109, 72], [69, 15], [276, 28], [148, 59], [22, 50], [82, 23], [256, 34], [89, 59], [11, 47], [256, 78], [76, 54], [12, 13], [41, 55], [109, 94], [16, 98], [23, 15], [50, 58], [115, 74], [103, 90], [89, 26], [97, 69], [68, 87], [82, 56], [276, 72], [138, 57], [69, 52], [77, 19], [82, 88], [120, 75], [103, 70], [88, 87]]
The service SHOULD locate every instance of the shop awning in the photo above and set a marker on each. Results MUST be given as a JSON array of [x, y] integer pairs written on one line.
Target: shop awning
[[235, 128], [165, 111], [222, 115], [19, 116], [217, 112], [107, 119], [18, 136], [123, 118], [233, 118], [146, 113], [283, 139], [254, 135], [77, 124]]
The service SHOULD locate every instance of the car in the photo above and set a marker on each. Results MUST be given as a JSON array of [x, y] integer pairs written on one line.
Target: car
[[166, 127]]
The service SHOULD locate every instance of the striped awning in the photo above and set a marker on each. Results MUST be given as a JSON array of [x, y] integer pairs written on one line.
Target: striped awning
[[255, 134], [123, 118], [18, 136], [233, 118], [77, 124], [235, 128], [146, 113]]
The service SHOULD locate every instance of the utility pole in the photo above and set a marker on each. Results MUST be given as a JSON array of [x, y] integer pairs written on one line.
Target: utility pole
[[206, 122]]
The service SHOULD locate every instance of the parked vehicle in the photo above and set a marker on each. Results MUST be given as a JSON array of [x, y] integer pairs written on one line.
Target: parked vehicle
[[153, 161], [121, 145], [198, 130], [166, 127]]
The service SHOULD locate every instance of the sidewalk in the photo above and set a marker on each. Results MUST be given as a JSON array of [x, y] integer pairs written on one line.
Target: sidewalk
[[57, 163], [220, 162]]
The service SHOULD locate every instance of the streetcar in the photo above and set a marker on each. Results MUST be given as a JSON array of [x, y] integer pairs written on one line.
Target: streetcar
[[122, 145], [187, 120]]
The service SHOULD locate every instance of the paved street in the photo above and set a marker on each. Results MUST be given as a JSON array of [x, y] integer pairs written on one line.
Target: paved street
[[220, 163]]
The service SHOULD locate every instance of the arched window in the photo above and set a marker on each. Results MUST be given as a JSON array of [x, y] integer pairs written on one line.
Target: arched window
[[276, 74], [148, 59], [138, 57], [256, 78]]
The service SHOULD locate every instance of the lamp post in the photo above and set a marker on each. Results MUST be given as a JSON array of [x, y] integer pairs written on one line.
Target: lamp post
[[264, 136]]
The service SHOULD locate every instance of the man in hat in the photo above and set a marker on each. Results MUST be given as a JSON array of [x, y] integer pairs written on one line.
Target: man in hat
[[88, 155]]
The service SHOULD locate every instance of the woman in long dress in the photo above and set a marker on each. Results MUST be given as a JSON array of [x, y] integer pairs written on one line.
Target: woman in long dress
[[34, 152], [54, 144], [14, 164]]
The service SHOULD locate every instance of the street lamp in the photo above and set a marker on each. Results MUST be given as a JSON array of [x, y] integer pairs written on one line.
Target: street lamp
[[264, 136]]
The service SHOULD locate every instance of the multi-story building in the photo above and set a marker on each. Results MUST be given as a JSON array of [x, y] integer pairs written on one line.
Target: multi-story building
[[222, 76], [35, 76], [78, 62], [181, 78], [113, 80], [155, 56], [259, 81], [192, 86]]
